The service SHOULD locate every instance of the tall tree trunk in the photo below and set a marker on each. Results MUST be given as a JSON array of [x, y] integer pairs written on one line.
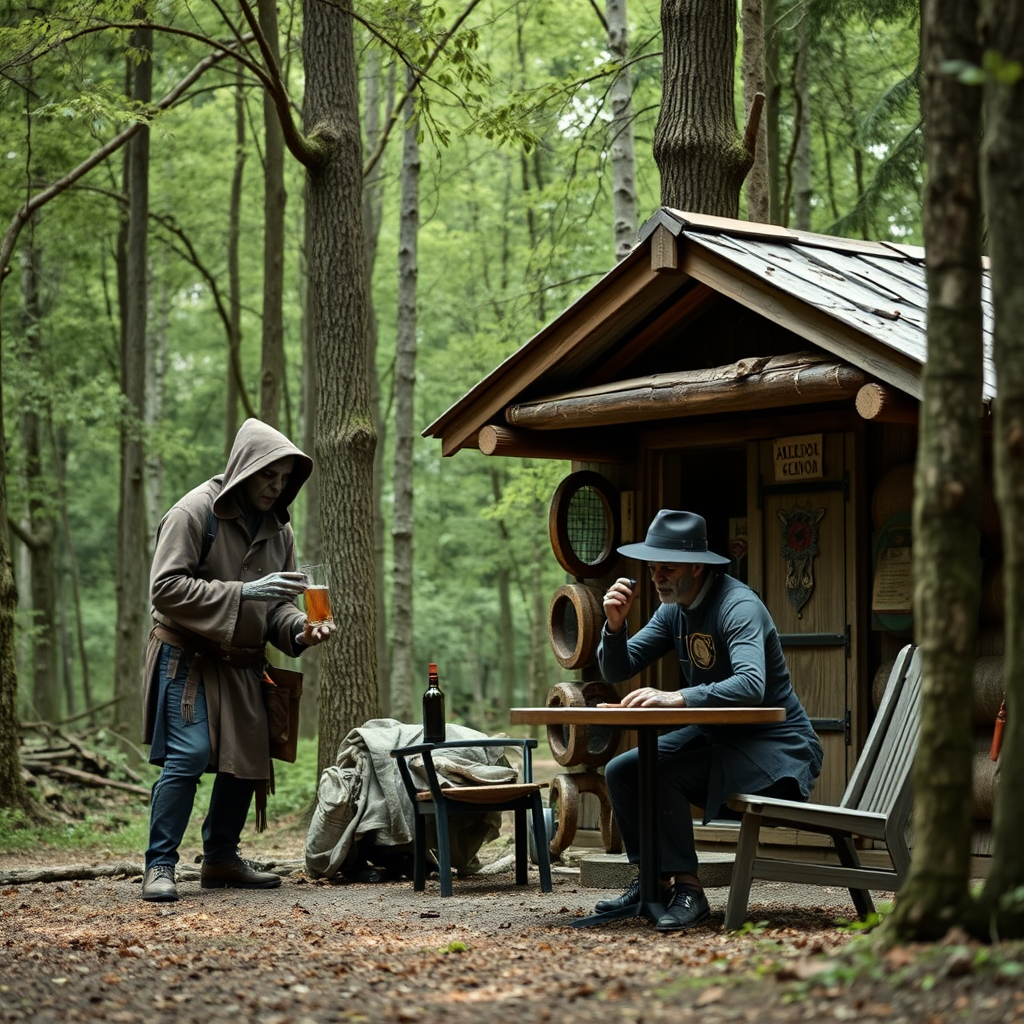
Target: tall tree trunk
[[506, 628], [773, 95], [156, 371], [403, 519], [132, 600], [59, 444], [309, 542], [372, 200], [344, 430], [234, 273], [701, 156], [1003, 33], [802, 144], [620, 130], [274, 200], [948, 480], [754, 79], [13, 793], [40, 532]]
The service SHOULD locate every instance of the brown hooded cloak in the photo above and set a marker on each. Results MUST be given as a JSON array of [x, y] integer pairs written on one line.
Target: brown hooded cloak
[[197, 600]]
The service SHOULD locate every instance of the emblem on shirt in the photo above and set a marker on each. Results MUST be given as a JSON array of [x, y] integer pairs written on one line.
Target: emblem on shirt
[[702, 650]]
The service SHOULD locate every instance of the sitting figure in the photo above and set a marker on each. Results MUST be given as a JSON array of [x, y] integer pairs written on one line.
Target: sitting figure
[[730, 655]]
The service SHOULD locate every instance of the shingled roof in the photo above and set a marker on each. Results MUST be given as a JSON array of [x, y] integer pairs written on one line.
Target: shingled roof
[[864, 302]]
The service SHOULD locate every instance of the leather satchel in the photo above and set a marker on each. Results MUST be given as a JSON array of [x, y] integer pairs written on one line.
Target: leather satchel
[[282, 689]]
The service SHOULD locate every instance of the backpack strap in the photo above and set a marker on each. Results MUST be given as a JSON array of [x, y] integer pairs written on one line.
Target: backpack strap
[[209, 535]]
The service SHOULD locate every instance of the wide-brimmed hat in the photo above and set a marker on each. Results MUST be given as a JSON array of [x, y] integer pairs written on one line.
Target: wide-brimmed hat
[[675, 537]]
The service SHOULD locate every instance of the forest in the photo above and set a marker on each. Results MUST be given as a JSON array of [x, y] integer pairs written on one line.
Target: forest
[[488, 140], [338, 217]]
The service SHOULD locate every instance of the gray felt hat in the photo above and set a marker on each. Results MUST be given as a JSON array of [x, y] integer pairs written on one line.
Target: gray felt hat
[[675, 537]]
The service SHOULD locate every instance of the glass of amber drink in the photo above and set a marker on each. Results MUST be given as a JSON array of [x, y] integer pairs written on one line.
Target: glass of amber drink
[[317, 595]]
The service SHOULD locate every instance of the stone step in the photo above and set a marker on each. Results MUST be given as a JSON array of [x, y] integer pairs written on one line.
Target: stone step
[[613, 871]]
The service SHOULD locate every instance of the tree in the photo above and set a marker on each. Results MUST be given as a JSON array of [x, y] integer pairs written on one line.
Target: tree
[[132, 603], [402, 529], [344, 429], [1002, 909], [274, 200], [947, 480], [620, 130], [702, 158]]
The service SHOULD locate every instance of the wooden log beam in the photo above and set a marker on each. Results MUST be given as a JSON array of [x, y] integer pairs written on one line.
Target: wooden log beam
[[528, 444], [748, 385], [881, 403]]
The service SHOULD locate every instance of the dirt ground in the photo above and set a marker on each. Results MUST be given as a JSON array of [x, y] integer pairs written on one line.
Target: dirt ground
[[312, 951]]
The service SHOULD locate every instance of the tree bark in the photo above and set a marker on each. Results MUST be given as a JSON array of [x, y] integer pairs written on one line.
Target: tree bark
[[372, 199], [773, 94], [132, 600], [802, 144], [620, 130], [754, 78], [701, 155], [344, 432], [232, 389], [1003, 32], [947, 481], [402, 528], [274, 202], [40, 526]]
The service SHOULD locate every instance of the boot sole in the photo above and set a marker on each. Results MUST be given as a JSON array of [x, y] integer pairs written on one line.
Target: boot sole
[[208, 884], [163, 897]]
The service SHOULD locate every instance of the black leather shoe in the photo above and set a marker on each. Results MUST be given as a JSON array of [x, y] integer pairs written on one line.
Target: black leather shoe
[[630, 898], [235, 873], [158, 884], [686, 908]]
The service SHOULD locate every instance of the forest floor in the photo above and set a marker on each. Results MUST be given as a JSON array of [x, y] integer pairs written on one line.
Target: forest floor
[[311, 951]]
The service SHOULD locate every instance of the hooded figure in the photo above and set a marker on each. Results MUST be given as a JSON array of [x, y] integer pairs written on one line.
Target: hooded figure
[[222, 585]]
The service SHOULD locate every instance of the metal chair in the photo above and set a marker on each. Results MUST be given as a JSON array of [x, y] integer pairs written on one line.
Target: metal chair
[[876, 805], [444, 802]]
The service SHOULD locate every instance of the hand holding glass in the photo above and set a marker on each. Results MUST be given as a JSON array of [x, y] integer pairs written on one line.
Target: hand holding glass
[[317, 595]]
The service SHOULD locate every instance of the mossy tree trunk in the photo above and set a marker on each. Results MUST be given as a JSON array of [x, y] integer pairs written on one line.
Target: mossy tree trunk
[[947, 481], [1003, 33]]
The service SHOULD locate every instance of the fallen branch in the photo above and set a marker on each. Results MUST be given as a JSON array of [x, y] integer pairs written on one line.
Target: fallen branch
[[87, 777], [121, 869]]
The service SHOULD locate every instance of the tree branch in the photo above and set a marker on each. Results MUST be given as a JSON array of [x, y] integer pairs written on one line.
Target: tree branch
[[25, 212], [417, 76]]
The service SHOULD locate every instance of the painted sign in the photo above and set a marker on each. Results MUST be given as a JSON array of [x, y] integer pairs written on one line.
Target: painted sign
[[798, 458]]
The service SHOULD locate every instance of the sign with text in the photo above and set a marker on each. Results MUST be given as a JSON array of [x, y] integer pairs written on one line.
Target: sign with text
[[798, 458]]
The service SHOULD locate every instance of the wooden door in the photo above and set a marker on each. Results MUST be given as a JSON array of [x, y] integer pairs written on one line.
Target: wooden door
[[803, 565]]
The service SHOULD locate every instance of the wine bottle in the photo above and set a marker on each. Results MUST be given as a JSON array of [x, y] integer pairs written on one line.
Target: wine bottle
[[433, 708]]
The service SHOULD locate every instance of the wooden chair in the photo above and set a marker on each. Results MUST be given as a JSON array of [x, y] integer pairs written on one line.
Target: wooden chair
[[876, 805], [443, 802]]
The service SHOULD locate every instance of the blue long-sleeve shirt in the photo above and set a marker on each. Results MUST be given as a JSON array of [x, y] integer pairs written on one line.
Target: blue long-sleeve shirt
[[730, 655]]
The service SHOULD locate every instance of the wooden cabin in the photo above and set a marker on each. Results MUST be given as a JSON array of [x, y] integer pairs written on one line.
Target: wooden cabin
[[769, 380]]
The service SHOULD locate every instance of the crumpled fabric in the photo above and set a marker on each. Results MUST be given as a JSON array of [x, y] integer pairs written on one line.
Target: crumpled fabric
[[362, 794]]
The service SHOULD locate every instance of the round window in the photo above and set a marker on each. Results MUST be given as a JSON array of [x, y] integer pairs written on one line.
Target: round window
[[584, 524]]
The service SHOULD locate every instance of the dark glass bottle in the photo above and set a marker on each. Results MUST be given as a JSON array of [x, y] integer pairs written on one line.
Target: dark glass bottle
[[433, 709]]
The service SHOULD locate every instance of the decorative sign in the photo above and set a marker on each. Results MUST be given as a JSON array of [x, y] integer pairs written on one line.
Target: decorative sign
[[799, 549], [892, 592], [798, 458]]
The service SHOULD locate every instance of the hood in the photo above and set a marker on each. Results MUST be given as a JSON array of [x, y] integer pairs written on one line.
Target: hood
[[257, 445]]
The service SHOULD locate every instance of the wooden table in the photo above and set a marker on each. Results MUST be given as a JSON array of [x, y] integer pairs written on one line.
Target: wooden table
[[647, 722]]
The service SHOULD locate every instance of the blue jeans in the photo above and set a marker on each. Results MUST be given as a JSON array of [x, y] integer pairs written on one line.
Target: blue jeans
[[188, 758]]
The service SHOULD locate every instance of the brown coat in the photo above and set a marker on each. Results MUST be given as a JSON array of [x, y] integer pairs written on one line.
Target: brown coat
[[204, 599]]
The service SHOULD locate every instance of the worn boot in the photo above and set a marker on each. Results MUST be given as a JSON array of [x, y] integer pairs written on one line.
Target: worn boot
[[235, 873], [158, 884]]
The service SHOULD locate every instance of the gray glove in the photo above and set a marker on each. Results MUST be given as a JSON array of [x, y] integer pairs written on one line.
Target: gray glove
[[274, 586]]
